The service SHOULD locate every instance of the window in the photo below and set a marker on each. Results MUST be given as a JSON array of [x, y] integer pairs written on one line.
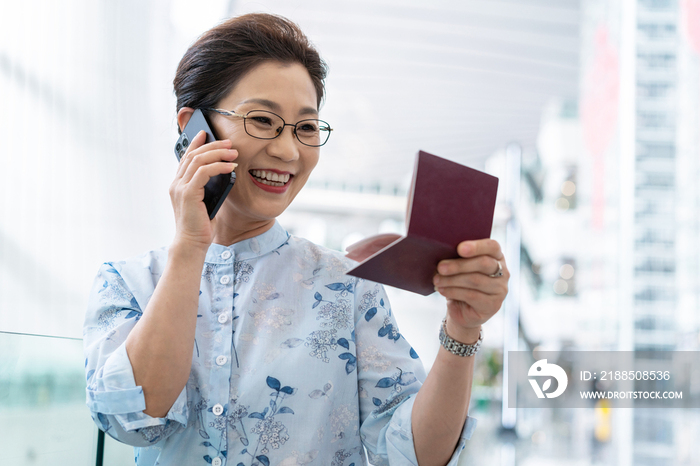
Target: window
[[654, 89], [657, 31], [656, 264], [652, 180], [657, 4], [653, 323], [654, 120], [659, 150], [655, 293], [657, 60]]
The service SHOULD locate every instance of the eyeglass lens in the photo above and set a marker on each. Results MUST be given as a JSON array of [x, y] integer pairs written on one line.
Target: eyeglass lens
[[266, 125]]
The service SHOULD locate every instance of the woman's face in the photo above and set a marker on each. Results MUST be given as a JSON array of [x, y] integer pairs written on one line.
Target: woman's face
[[288, 91]]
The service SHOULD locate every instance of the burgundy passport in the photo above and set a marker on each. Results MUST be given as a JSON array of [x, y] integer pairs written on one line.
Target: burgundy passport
[[448, 203]]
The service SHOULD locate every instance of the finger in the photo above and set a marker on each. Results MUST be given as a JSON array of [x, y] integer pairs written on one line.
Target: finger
[[483, 304], [205, 172], [363, 249], [207, 158], [480, 247], [198, 147], [200, 178], [486, 265], [473, 281]]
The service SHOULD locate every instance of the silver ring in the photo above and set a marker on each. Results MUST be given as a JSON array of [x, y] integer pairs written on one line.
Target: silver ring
[[499, 272]]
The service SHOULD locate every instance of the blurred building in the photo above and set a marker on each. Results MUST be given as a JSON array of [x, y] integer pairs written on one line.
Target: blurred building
[[609, 216], [665, 273]]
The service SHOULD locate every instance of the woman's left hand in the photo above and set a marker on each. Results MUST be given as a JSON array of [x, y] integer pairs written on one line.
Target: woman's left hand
[[473, 296]]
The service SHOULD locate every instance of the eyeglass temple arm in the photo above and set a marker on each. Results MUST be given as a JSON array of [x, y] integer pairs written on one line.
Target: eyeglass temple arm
[[226, 112]]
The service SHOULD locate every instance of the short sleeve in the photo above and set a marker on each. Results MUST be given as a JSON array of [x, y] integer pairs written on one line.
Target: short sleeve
[[114, 399], [389, 376]]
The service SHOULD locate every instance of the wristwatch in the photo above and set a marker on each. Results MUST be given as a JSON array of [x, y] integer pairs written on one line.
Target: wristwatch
[[455, 347]]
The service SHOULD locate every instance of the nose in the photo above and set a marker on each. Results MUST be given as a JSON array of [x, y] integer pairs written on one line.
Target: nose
[[285, 146]]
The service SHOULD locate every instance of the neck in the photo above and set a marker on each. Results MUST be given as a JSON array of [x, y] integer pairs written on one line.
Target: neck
[[227, 233]]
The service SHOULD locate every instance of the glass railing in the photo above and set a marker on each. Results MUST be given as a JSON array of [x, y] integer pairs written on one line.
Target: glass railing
[[43, 416]]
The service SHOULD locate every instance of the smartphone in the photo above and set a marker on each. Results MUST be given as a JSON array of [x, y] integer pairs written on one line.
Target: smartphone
[[218, 187]]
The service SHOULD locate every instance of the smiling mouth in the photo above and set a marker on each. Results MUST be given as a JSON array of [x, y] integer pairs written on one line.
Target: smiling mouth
[[270, 178]]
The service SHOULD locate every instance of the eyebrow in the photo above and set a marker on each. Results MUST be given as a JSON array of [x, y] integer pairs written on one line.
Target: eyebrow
[[277, 108]]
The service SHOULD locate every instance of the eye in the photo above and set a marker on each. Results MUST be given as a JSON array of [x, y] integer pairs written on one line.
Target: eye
[[308, 127], [261, 120]]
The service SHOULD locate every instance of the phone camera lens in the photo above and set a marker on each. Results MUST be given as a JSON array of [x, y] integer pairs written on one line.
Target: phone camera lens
[[185, 142], [178, 147]]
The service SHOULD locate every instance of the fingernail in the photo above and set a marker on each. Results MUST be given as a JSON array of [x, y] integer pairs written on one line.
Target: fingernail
[[442, 268], [466, 249], [436, 280]]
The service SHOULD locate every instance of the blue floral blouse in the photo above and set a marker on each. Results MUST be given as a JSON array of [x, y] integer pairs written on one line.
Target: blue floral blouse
[[294, 362]]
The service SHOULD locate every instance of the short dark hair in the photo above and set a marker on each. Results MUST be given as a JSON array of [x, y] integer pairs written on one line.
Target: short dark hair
[[217, 61]]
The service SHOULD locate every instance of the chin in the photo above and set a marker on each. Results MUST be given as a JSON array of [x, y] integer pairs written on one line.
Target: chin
[[267, 213]]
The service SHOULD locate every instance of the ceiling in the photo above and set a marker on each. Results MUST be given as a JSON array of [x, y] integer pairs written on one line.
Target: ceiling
[[460, 79]]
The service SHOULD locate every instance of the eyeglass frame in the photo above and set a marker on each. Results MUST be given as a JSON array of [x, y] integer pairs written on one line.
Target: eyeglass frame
[[224, 112]]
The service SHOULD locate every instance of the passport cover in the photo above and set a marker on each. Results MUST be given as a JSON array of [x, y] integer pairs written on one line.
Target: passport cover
[[448, 203]]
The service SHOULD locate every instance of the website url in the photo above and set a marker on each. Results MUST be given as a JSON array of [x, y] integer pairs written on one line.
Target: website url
[[631, 395]]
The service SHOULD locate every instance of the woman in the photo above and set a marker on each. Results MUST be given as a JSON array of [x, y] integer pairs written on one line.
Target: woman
[[240, 344]]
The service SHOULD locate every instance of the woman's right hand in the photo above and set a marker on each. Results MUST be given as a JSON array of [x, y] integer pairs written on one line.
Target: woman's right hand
[[197, 166]]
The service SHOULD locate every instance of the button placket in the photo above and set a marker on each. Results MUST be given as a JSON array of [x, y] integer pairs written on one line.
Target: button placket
[[223, 293], [222, 300]]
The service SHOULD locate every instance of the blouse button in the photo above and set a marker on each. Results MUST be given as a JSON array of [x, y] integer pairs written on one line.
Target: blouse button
[[226, 254], [225, 279], [222, 318], [216, 462], [218, 410], [221, 360]]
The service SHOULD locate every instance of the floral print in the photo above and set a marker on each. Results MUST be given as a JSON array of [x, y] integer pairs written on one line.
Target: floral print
[[108, 319], [335, 315], [371, 358], [273, 318], [294, 362], [340, 419], [368, 301], [321, 341], [339, 457], [271, 432], [208, 272], [242, 272]]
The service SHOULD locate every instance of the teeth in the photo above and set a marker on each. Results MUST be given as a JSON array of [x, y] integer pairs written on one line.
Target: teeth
[[271, 183], [270, 178]]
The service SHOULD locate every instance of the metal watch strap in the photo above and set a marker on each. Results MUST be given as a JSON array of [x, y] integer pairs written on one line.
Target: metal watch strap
[[457, 348]]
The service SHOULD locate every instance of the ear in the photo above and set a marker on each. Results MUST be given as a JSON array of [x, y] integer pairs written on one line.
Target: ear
[[183, 116]]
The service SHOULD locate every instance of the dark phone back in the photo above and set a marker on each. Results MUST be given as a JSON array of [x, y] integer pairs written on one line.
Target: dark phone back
[[218, 187]]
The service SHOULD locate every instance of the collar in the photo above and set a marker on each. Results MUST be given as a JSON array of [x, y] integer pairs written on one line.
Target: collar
[[249, 248]]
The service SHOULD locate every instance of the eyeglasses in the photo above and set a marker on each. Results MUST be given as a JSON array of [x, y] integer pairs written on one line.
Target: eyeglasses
[[262, 124]]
